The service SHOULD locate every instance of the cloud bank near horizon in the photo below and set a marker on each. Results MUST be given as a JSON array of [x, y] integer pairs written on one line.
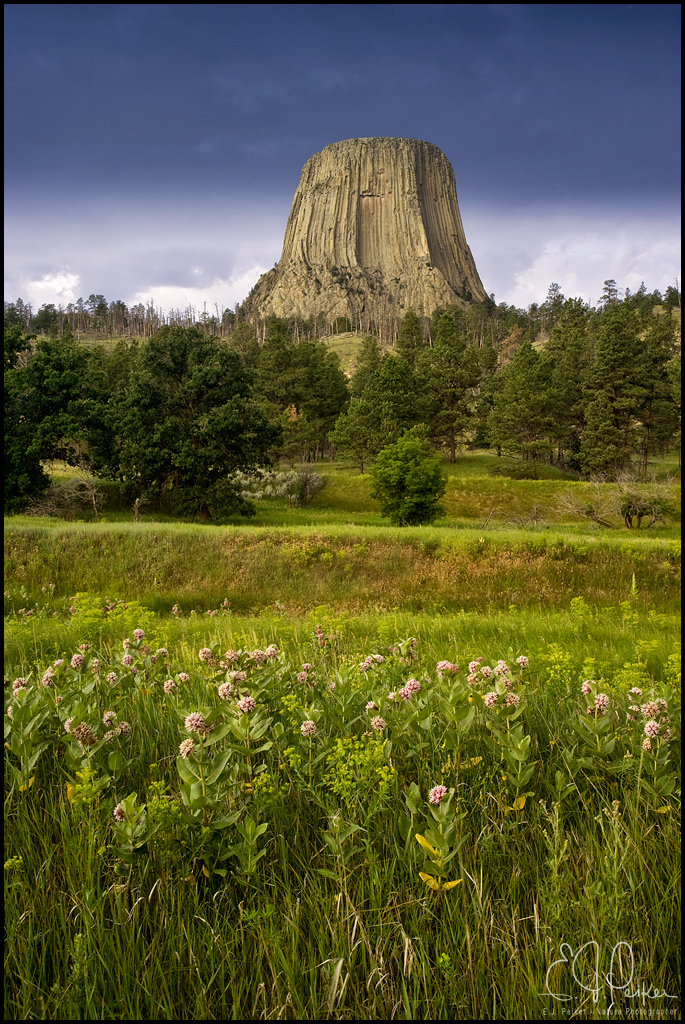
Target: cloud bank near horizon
[[215, 256]]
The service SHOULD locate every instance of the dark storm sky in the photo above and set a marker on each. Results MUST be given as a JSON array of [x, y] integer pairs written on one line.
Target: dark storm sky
[[153, 150]]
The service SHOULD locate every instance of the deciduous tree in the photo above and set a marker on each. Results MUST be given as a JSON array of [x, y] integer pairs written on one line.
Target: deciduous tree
[[408, 481]]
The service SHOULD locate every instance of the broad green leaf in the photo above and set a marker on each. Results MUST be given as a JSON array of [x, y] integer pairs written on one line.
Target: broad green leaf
[[426, 845]]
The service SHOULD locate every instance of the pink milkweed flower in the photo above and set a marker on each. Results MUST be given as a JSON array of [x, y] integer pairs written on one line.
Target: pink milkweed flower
[[601, 702], [650, 708], [490, 699], [446, 666], [404, 693], [77, 661], [183, 677], [512, 698], [587, 686], [247, 704], [186, 748], [119, 813], [412, 686], [302, 677], [138, 634], [204, 654], [522, 661], [372, 706], [169, 686], [225, 690], [127, 660], [378, 723], [308, 728], [306, 667], [83, 733], [111, 677], [652, 729], [437, 793], [195, 722], [486, 672], [108, 717]]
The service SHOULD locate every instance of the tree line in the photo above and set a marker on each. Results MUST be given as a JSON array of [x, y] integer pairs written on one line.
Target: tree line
[[176, 416], [505, 327]]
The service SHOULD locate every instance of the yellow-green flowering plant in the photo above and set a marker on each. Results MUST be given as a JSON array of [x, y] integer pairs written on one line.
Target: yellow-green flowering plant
[[440, 843]]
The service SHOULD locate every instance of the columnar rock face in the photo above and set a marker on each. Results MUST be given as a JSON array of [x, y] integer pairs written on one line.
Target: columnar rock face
[[374, 228]]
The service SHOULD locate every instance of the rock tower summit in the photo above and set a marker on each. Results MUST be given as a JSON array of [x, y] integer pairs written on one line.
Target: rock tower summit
[[374, 228]]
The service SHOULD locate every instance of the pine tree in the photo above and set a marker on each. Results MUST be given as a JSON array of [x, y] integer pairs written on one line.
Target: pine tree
[[410, 338], [392, 391], [358, 432], [368, 361], [656, 411], [613, 393], [520, 422], [448, 372], [568, 357]]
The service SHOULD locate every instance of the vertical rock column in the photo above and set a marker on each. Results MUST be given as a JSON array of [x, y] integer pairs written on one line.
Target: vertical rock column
[[374, 228]]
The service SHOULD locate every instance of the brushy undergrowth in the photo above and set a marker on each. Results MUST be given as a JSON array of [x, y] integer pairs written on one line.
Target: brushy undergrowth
[[351, 569], [242, 834]]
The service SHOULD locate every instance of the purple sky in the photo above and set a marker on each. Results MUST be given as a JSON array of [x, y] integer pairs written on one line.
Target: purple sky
[[152, 151]]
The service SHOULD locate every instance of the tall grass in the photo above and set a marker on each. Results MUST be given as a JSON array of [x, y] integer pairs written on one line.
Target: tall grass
[[324, 913], [335, 921], [347, 568], [612, 636]]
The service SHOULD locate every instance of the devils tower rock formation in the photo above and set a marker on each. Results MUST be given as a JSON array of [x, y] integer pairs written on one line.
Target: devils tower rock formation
[[374, 228]]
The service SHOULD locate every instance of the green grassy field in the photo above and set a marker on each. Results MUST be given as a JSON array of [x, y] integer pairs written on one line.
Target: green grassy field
[[261, 861]]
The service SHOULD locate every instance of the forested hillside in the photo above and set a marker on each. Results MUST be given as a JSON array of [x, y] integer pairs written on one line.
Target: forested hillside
[[176, 414]]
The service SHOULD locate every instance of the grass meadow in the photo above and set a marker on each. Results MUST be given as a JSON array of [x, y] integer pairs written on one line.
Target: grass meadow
[[308, 766]]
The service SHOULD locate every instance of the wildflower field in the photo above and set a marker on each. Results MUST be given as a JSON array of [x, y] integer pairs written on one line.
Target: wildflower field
[[244, 797]]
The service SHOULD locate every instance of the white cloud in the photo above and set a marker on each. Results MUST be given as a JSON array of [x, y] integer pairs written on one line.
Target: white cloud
[[222, 293], [192, 251], [58, 288], [175, 252], [519, 253]]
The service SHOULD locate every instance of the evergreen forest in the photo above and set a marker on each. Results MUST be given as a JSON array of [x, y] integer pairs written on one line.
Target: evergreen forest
[[178, 408]]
